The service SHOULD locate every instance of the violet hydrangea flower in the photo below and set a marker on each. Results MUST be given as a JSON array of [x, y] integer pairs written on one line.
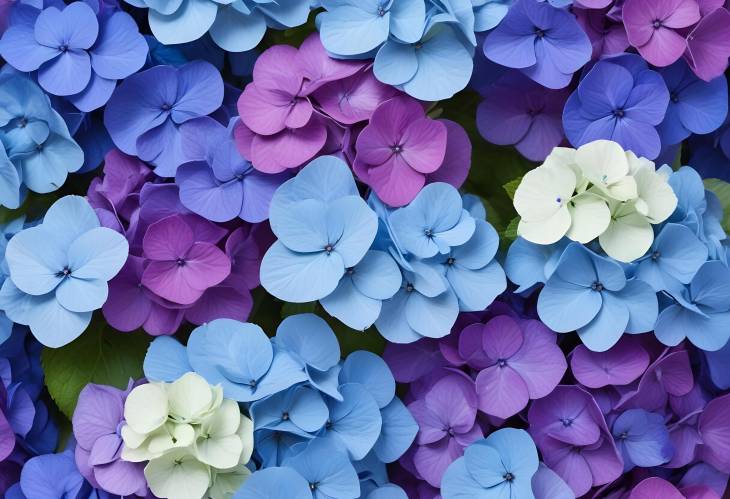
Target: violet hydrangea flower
[[544, 42], [145, 113], [78, 52]]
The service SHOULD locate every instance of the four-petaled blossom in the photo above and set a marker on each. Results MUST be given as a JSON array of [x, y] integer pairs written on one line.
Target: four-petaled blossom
[[59, 271], [500, 466]]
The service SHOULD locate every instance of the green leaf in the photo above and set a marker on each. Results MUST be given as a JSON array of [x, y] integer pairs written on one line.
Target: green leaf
[[99, 355], [511, 187], [722, 191], [510, 233]]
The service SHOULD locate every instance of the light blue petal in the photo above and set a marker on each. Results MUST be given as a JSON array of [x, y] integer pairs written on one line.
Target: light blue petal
[[82, 295], [9, 182], [35, 259], [300, 277], [355, 422], [387, 491], [711, 286], [674, 323], [370, 371], [307, 410], [286, 13], [69, 217], [166, 360], [326, 382], [98, 254], [359, 224], [189, 22], [52, 324], [476, 289], [395, 63], [377, 275], [458, 483], [444, 66], [642, 304], [681, 253], [274, 483], [392, 323], [576, 265], [46, 170], [274, 446], [432, 317], [525, 263], [711, 333], [350, 306], [234, 31], [353, 28], [326, 464], [398, 431], [565, 307], [607, 327], [517, 452], [309, 338], [480, 249], [427, 279], [457, 235], [407, 18], [484, 463], [306, 226], [285, 371]]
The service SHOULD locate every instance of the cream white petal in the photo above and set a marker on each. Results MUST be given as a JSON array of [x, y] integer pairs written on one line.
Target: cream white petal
[[219, 452], [190, 398], [656, 193], [546, 231], [146, 408], [627, 238], [603, 162], [590, 217], [177, 475], [543, 191]]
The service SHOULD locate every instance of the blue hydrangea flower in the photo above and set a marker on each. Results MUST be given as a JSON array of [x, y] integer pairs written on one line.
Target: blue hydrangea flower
[[299, 410], [590, 293], [528, 264], [234, 26], [78, 51], [323, 228], [700, 312], [695, 105], [274, 483], [498, 467], [37, 149], [358, 298], [327, 470], [489, 13], [642, 438], [673, 259], [59, 271]]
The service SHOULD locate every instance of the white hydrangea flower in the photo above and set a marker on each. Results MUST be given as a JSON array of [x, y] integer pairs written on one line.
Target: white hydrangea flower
[[197, 443], [596, 191]]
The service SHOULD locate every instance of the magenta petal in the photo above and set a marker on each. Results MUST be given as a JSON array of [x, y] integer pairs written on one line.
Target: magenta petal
[[457, 159], [127, 306], [540, 362], [715, 432], [620, 365], [430, 426], [675, 373], [168, 239], [655, 488], [502, 338], [685, 440], [471, 347], [220, 302], [448, 400], [708, 45], [206, 265], [355, 98], [569, 414], [170, 281], [318, 67], [569, 463], [122, 477], [277, 69], [245, 256], [424, 145], [664, 47], [163, 320], [265, 111], [395, 182], [501, 391], [289, 148]]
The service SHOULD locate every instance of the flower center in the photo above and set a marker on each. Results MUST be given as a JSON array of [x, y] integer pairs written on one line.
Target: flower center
[[165, 107], [313, 486], [657, 24], [409, 287], [539, 32], [619, 113], [674, 97], [559, 200], [597, 286], [22, 122], [502, 362], [285, 416], [350, 271], [329, 248], [63, 47], [180, 262], [428, 232], [508, 477], [397, 149], [65, 272], [567, 422], [450, 260], [655, 256], [381, 11], [623, 436]]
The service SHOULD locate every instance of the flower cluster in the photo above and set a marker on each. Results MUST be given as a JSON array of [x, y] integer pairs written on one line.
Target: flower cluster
[[637, 405], [195, 442], [408, 270], [181, 267], [304, 401], [673, 285], [539, 46], [325, 106]]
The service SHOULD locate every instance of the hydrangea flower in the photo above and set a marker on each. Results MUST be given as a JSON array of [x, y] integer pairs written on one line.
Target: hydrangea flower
[[642, 438], [599, 191], [97, 418], [621, 364], [223, 185], [606, 32], [235, 27], [603, 304], [37, 150], [695, 106], [512, 350], [700, 310], [518, 111], [619, 99], [544, 42], [502, 465], [324, 228], [652, 28], [708, 45], [146, 112], [190, 435], [59, 271], [79, 51]]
